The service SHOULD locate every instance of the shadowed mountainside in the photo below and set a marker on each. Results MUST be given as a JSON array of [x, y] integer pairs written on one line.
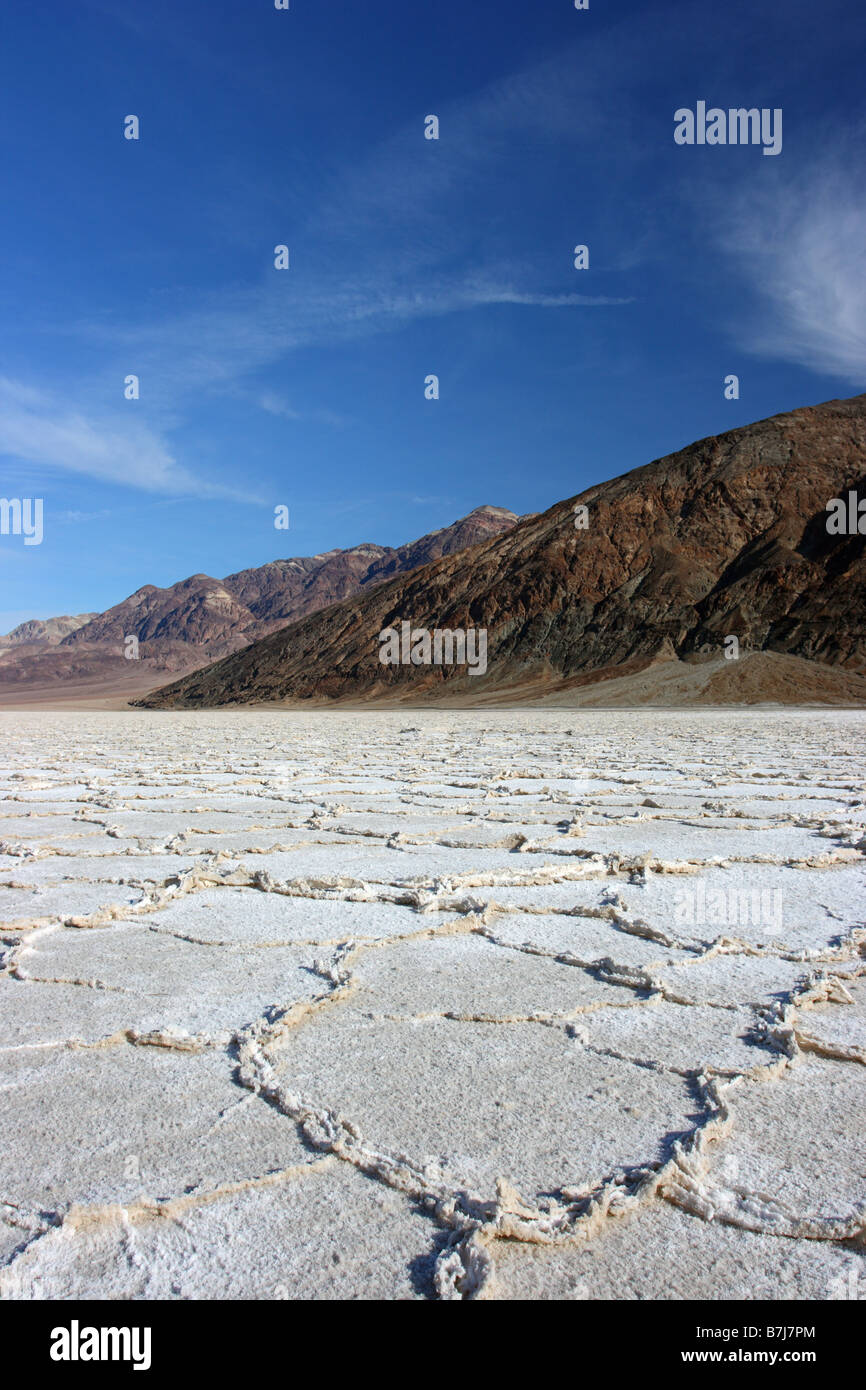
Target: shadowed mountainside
[[725, 537], [188, 624], [236, 610]]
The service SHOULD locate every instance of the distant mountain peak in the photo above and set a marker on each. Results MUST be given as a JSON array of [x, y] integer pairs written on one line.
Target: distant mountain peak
[[726, 538], [199, 618], [49, 630]]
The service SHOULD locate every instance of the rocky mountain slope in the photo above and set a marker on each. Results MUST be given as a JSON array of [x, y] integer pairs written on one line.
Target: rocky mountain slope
[[188, 624], [49, 631], [727, 537], [234, 611]]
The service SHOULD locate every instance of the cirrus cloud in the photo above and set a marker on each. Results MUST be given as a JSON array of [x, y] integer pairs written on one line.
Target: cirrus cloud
[[37, 428]]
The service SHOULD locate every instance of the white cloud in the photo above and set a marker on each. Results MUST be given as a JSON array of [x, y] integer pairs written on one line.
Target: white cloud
[[799, 242], [39, 429], [388, 238], [276, 405], [215, 346], [502, 295]]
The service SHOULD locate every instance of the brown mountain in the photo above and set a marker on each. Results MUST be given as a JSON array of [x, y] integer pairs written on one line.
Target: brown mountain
[[46, 630], [188, 624], [198, 610], [230, 613], [726, 537], [285, 590]]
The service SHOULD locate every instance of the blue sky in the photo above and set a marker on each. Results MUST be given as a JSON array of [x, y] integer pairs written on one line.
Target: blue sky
[[409, 257]]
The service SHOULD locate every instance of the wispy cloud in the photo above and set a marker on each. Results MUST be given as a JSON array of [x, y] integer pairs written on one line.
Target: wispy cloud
[[72, 517], [240, 332], [501, 294], [384, 243], [275, 404], [799, 243], [40, 429], [388, 238]]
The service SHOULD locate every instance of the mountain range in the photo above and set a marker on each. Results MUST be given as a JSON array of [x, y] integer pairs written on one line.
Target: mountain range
[[711, 574], [49, 631], [189, 624], [648, 577]]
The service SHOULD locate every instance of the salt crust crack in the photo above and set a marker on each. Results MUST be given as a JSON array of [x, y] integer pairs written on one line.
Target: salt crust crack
[[474, 1221]]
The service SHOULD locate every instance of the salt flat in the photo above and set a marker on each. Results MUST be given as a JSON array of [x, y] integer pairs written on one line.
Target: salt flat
[[545, 1004]]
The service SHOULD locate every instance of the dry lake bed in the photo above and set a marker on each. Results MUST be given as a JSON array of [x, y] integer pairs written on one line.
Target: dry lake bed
[[426, 1005]]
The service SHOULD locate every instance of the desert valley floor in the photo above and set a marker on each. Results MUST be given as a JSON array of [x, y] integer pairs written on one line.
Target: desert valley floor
[[433, 1005]]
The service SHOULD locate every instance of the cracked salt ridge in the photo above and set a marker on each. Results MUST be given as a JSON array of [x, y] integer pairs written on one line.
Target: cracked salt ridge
[[463, 1268], [681, 1257], [223, 916], [589, 917], [169, 982], [107, 1126], [837, 1032], [112, 869], [305, 1232], [784, 846], [20, 906]]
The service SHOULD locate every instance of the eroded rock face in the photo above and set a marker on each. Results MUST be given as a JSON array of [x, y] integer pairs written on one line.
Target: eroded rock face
[[725, 538], [229, 613], [45, 630], [201, 619]]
